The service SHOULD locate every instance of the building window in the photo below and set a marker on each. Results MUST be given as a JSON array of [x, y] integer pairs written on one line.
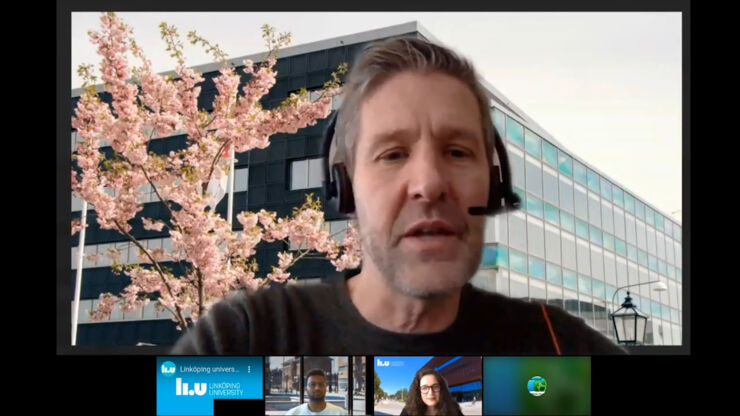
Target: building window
[[537, 291], [593, 181], [518, 261], [607, 220], [606, 189], [583, 257], [518, 286], [595, 236], [502, 256], [581, 228], [552, 214], [534, 176], [566, 194], [581, 200], [594, 210], [516, 162], [552, 244], [608, 241], [517, 231], [499, 121], [629, 203], [488, 257], [597, 263], [652, 263], [555, 296], [676, 233], [619, 223], [599, 291], [536, 268], [632, 252], [514, 132], [659, 222], [649, 216], [532, 143], [565, 164], [570, 280], [631, 233], [306, 174], [550, 185], [641, 237], [534, 206], [620, 247], [579, 173], [241, 179], [584, 284], [549, 154], [535, 237], [642, 257], [553, 274], [639, 209], [567, 222], [610, 272], [568, 247], [617, 196]]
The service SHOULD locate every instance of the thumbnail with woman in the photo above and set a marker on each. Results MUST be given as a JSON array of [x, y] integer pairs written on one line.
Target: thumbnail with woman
[[429, 395]]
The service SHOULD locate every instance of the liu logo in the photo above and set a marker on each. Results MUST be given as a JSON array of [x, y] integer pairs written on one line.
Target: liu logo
[[181, 389], [382, 363], [168, 368]]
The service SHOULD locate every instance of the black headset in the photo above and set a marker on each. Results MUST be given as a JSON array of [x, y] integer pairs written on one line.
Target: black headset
[[338, 187]]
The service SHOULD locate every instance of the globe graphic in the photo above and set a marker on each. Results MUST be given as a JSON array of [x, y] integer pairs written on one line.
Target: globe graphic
[[537, 386]]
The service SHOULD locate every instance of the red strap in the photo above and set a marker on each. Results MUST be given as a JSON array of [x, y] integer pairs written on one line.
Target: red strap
[[549, 326]]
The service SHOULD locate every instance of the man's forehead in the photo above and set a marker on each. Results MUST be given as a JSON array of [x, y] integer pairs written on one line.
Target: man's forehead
[[407, 102]]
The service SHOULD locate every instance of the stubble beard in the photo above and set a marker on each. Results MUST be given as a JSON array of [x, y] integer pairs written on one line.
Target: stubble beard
[[398, 270]]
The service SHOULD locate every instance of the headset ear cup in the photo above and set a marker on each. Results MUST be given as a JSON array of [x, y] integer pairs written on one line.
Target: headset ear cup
[[344, 194]]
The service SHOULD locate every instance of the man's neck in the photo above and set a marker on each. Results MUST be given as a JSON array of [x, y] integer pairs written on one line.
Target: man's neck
[[392, 310], [316, 405]]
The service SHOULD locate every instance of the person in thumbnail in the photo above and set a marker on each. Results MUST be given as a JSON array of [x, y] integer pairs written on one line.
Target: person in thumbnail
[[316, 393], [429, 395], [416, 157]]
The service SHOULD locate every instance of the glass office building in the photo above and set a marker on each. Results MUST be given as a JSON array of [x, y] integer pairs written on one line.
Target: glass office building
[[578, 237]]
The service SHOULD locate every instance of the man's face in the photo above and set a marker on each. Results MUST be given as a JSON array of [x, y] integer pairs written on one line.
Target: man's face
[[316, 388], [429, 388], [420, 163]]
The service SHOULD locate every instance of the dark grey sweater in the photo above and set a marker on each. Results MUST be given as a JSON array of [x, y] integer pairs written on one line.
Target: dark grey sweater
[[321, 319]]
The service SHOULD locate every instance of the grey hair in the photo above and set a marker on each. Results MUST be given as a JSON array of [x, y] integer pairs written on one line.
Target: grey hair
[[380, 61]]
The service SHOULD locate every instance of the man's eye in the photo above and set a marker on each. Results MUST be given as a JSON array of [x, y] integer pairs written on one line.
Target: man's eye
[[392, 156], [459, 153]]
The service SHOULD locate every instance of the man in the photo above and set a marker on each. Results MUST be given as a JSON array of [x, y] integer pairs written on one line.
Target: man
[[416, 138], [316, 405]]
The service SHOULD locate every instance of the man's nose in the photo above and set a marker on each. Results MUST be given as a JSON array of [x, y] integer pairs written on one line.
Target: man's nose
[[427, 179]]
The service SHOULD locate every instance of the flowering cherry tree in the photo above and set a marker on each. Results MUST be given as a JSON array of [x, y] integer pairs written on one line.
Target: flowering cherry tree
[[146, 106]]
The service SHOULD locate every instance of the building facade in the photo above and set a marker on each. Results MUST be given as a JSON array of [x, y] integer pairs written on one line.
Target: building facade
[[579, 236]]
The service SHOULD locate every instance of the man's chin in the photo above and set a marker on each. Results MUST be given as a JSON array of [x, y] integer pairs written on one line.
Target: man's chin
[[432, 280]]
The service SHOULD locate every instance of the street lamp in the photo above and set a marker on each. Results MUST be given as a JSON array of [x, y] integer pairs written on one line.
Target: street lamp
[[629, 322]]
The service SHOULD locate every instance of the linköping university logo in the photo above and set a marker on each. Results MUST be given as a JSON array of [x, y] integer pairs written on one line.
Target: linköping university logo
[[168, 369], [537, 386]]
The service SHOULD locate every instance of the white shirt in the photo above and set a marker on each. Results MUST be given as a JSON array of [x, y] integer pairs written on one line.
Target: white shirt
[[330, 409]]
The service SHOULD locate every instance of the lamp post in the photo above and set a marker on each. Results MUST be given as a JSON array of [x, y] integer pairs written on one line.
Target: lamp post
[[629, 322]]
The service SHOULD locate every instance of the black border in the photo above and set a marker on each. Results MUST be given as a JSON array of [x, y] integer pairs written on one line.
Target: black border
[[64, 291], [622, 382]]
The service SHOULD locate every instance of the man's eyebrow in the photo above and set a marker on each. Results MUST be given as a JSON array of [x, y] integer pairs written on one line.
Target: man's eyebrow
[[400, 134], [384, 137], [458, 132]]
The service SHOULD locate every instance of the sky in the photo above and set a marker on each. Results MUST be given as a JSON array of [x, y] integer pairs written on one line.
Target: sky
[[607, 86], [399, 373]]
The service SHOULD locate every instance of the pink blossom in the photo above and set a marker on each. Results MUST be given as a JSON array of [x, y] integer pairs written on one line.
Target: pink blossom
[[152, 225], [77, 226]]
